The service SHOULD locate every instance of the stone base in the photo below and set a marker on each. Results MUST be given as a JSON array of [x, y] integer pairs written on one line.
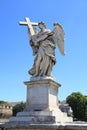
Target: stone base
[[60, 126], [42, 111], [42, 104], [41, 117], [41, 107]]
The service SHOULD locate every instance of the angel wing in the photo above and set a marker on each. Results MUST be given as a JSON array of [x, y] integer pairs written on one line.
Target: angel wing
[[59, 37]]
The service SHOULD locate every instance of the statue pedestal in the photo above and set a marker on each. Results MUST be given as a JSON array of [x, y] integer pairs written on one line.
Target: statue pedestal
[[42, 104], [42, 95], [42, 111]]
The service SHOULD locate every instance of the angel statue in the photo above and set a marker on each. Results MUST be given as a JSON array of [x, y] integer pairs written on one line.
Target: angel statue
[[43, 42]]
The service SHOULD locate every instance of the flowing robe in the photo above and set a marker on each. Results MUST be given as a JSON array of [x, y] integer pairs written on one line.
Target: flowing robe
[[45, 56]]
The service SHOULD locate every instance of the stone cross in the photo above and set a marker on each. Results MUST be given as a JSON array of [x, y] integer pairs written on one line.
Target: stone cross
[[29, 24]]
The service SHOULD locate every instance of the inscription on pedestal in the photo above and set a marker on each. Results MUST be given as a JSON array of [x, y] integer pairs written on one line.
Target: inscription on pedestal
[[37, 97]]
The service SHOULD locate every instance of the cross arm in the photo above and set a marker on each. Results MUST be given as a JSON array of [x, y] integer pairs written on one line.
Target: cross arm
[[27, 21]]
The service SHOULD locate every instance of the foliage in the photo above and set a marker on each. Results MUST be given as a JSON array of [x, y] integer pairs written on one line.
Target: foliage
[[18, 108], [3, 102], [78, 103]]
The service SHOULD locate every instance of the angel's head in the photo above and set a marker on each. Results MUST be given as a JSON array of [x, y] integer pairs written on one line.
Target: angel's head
[[42, 25]]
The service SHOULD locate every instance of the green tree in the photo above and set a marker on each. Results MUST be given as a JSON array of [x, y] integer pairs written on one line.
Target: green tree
[[18, 108], [3, 102], [78, 103]]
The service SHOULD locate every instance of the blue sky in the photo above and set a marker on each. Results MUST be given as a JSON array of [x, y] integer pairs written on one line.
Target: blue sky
[[16, 55]]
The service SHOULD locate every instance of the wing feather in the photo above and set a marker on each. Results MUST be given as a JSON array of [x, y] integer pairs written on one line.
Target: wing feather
[[59, 37]]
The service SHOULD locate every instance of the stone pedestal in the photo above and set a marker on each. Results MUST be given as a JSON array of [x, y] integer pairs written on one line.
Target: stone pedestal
[[42, 111], [42, 104], [42, 95]]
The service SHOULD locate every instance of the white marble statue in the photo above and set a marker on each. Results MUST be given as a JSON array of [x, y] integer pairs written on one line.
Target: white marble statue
[[43, 42]]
